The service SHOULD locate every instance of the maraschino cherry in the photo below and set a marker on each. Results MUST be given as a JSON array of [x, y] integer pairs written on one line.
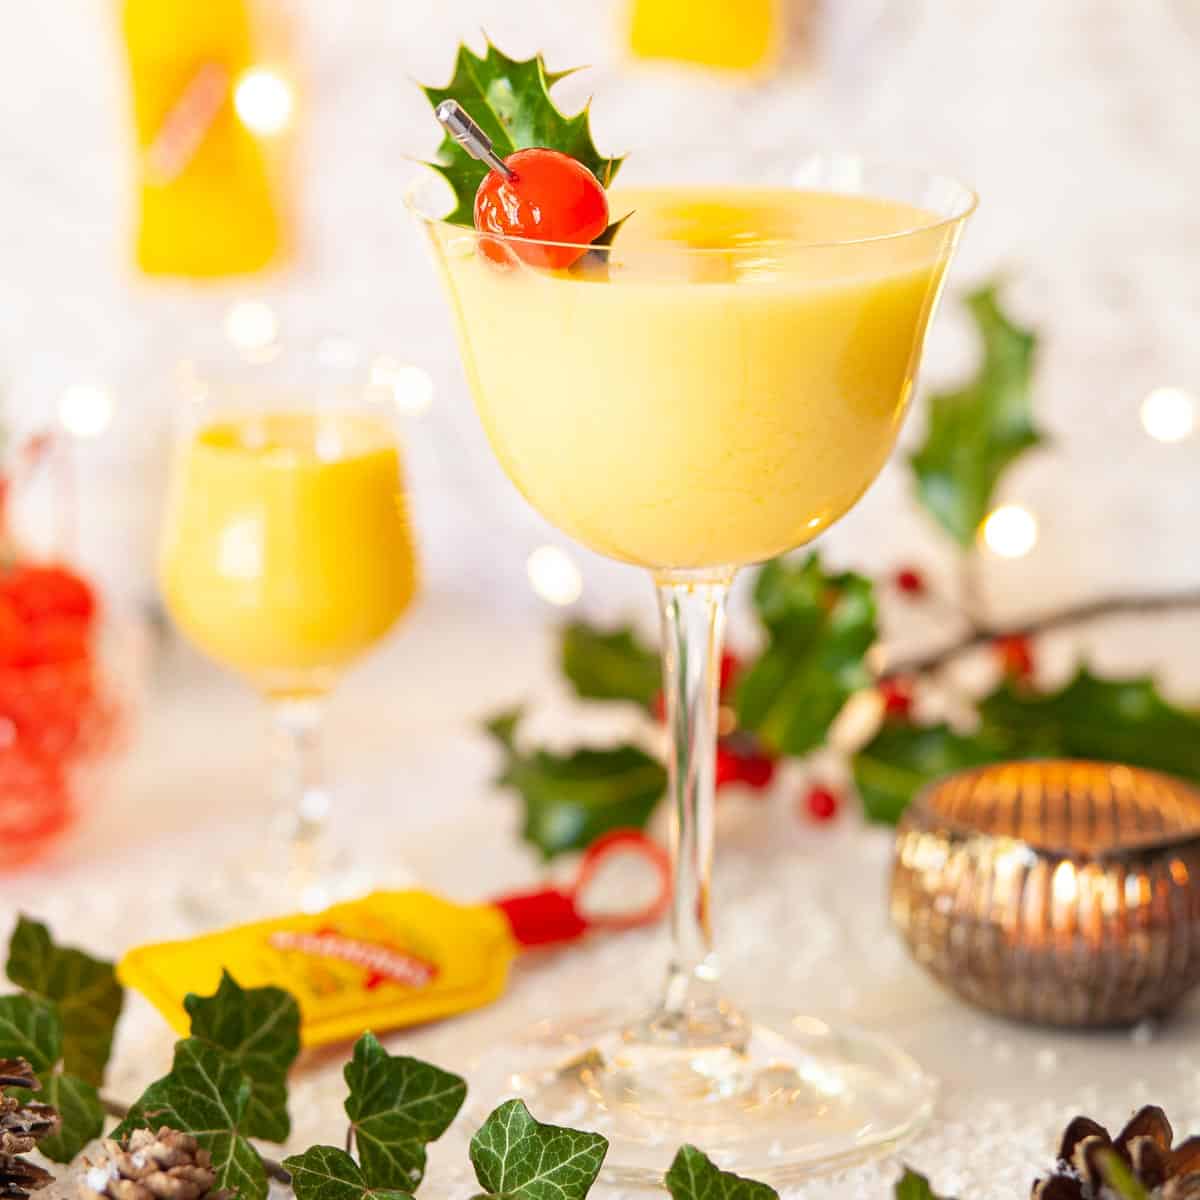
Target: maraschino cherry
[[537, 194]]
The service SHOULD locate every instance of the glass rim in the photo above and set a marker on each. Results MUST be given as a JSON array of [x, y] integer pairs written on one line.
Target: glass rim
[[967, 201]]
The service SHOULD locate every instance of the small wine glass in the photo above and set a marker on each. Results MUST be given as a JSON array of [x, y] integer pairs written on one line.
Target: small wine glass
[[286, 556]]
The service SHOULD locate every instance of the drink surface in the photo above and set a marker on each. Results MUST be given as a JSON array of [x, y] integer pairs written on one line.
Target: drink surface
[[287, 551], [723, 386]]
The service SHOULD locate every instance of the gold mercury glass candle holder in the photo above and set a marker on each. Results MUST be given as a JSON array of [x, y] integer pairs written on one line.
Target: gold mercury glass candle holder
[[1058, 892]]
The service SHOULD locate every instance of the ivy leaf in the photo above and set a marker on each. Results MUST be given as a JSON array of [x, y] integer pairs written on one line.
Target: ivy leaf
[[519, 1157], [259, 1030], [327, 1173], [819, 629], [978, 431], [572, 799], [912, 1186], [610, 665], [510, 100], [901, 759], [30, 1028], [694, 1176], [81, 1114], [206, 1095], [1113, 720], [396, 1107], [84, 989]]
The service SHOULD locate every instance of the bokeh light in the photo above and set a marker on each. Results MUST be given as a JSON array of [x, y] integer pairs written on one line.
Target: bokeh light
[[411, 387], [1010, 531], [554, 575], [263, 101], [1169, 414], [251, 325], [85, 410]]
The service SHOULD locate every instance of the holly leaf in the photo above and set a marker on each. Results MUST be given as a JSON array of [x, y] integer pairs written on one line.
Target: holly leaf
[[396, 1107], [902, 759], [327, 1173], [912, 1186], [1110, 720], [572, 799], [205, 1094], [84, 989], [81, 1115], [1113, 720], [819, 629], [610, 664], [259, 1030], [694, 1176], [510, 100], [516, 1156], [30, 1028], [978, 431]]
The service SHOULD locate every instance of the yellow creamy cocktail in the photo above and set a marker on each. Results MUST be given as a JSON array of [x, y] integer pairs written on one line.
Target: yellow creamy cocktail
[[722, 389], [714, 387], [287, 552]]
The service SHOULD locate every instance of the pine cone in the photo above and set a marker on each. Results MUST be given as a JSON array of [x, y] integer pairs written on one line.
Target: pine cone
[[22, 1126], [18, 1178], [1144, 1146], [167, 1165]]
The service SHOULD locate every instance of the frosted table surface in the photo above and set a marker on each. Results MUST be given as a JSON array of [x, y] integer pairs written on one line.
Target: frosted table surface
[[801, 909]]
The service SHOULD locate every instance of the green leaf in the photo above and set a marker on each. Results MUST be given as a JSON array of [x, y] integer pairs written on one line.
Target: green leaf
[[1113, 720], [912, 1186], [1110, 720], [396, 1107], [510, 100], [259, 1029], [694, 1176], [572, 799], [978, 431], [84, 988], [80, 1110], [902, 759], [610, 665], [819, 629], [30, 1028], [327, 1173], [1121, 1179], [206, 1095], [517, 1156]]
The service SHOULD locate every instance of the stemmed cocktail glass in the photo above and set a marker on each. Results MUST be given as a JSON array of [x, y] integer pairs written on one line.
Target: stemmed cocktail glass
[[716, 388]]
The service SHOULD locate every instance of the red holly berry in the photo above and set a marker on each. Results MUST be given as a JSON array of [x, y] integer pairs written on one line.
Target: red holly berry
[[14, 635], [1015, 655], [730, 666], [910, 581], [37, 592], [552, 198], [821, 803], [897, 695], [757, 770], [728, 766]]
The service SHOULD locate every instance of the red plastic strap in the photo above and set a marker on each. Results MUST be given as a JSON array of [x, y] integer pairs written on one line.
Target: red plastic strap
[[553, 915]]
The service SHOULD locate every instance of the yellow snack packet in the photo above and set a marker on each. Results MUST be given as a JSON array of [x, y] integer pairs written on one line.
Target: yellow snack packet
[[390, 959]]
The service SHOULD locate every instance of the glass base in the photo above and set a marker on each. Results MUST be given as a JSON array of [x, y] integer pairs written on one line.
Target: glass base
[[791, 1099], [275, 879]]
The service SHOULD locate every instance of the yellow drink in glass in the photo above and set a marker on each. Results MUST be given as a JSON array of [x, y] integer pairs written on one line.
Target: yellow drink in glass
[[711, 396], [716, 387], [287, 550]]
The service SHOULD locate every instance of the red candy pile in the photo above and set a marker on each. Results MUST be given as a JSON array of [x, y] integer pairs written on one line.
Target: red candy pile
[[52, 711]]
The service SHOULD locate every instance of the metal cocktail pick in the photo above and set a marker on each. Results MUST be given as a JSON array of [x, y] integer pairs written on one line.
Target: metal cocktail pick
[[470, 137]]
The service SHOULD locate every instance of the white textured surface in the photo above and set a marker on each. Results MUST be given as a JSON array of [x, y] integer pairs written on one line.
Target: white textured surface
[[1075, 120]]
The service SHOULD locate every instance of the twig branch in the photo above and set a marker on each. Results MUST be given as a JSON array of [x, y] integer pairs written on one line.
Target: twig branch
[[1079, 614], [115, 1108]]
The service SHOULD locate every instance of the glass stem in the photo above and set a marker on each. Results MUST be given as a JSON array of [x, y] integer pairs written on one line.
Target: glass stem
[[692, 611], [298, 773]]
